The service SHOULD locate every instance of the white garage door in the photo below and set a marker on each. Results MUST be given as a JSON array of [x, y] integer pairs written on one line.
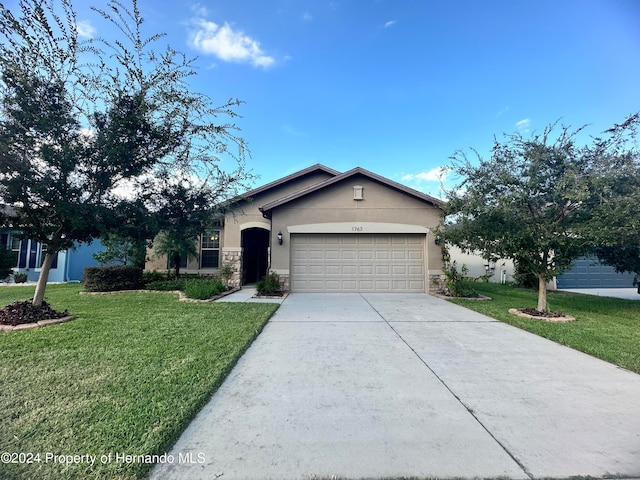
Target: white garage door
[[357, 263]]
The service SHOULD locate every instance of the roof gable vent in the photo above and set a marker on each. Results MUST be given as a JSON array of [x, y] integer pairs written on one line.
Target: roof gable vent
[[358, 192]]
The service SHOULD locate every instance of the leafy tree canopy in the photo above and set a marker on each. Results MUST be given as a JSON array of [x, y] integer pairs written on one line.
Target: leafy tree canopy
[[532, 201], [88, 128]]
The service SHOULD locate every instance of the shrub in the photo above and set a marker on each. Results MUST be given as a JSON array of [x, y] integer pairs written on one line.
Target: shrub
[[7, 262], [20, 277], [269, 285], [203, 289], [166, 285], [226, 272], [153, 276], [113, 278], [457, 284]]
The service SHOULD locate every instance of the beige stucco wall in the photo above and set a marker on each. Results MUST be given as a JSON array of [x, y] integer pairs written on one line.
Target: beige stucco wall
[[247, 215], [336, 205], [475, 264]]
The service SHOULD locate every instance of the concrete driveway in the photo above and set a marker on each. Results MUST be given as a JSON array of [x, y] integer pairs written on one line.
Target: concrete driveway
[[390, 385]]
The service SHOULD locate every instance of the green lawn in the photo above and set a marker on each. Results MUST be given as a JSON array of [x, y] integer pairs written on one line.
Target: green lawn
[[607, 328], [126, 376]]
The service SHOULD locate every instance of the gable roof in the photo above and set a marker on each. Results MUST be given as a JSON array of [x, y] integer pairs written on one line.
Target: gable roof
[[265, 209], [312, 169]]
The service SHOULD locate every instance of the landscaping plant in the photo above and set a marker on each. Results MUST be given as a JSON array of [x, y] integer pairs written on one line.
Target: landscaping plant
[[203, 288], [269, 285], [456, 282]]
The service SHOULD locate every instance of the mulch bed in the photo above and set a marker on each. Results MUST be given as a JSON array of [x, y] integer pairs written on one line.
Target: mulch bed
[[537, 313], [532, 313], [19, 313]]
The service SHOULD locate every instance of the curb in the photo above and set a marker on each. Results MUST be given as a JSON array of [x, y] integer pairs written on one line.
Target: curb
[[38, 324], [565, 319]]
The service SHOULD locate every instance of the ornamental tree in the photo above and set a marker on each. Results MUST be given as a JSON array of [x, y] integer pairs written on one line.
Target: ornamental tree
[[86, 127], [525, 203]]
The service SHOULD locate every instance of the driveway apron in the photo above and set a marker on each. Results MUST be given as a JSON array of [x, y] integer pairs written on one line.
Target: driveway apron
[[390, 385]]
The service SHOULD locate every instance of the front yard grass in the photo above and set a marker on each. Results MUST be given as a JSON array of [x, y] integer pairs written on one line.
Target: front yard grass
[[126, 376], [607, 328]]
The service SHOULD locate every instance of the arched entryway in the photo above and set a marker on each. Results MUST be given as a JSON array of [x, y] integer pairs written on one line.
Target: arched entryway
[[255, 254]]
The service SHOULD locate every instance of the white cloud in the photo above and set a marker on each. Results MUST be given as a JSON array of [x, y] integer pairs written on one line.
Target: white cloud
[[523, 125], [227, 44], [437, 174], [85, 29], [503, 111], [199, 10], [390, 23], [307, 17]]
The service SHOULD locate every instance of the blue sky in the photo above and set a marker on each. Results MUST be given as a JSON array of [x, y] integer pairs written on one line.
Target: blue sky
[[397, 86]]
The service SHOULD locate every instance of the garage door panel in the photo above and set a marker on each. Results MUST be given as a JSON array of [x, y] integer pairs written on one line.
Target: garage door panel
[[332, 254], [349, 270], [329, 270], [399, 270], [382, 270], [366, 286], [357, 262]]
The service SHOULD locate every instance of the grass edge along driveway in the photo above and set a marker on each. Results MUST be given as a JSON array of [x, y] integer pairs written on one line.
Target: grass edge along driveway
[[606, 328], [125, 377]]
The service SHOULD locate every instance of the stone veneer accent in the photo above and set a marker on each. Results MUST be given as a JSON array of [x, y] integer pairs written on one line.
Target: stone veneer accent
[[284, 282], [436, 281], [234, 257]]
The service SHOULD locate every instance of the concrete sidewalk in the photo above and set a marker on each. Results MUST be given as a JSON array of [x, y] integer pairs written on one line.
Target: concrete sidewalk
[[625, 293], [390, 385]]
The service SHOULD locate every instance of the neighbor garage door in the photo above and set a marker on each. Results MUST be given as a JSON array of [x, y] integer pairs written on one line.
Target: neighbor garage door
[[357, 263], [588, 272]]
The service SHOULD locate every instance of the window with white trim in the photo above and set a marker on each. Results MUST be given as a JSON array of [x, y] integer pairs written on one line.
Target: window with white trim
[[210, 249], [15, 247]]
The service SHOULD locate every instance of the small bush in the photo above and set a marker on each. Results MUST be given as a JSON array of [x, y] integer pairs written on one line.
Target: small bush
[[166, 285], [153, 276], [7, 262], [20, 277], [269, 285], [226, 272], [113, 278], [457, 284], [203, 289]]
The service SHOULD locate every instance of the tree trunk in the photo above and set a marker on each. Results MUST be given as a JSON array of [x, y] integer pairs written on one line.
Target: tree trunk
[[38, 297], [176, 264], [542, 294]]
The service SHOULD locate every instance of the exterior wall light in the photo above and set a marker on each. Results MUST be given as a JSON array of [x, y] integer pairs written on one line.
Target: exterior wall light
[[280, 238]]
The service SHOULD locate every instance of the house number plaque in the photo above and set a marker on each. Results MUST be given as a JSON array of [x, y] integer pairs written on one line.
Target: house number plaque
[[357, 229]]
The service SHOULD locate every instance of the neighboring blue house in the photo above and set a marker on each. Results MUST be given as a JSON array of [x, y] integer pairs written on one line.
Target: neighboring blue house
[[67, 266]]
